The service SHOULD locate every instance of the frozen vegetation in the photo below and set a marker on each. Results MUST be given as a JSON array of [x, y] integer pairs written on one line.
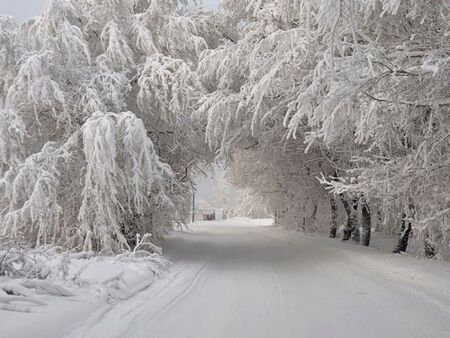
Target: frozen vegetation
[[46, 292], [331, 116], [323, 112]]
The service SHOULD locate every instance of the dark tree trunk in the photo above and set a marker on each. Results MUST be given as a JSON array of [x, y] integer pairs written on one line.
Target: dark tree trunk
[[405, 231], [356, 238], [333, 227], [314, 213], [304, 217], [313, 218], [350, 229], [347, 231], [428, 248], [379, 220], [365, 224]]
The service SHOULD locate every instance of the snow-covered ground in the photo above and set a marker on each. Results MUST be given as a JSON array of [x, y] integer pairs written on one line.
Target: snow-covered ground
[[76, 286], [246, 279]]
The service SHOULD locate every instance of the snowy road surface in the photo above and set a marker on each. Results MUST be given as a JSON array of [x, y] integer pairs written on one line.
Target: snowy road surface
[[235, 281]]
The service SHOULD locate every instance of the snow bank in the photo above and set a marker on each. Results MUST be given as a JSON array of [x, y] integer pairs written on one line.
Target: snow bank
[[39, 285]]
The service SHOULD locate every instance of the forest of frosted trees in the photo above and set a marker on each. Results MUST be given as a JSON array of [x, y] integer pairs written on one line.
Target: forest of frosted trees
[[332, 115]]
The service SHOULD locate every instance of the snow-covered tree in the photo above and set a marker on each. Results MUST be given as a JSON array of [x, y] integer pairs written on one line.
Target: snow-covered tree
[[250, 204], [362, 84], [97, 143], [251, 83], [222, 197], [318, 107], [382, 84]]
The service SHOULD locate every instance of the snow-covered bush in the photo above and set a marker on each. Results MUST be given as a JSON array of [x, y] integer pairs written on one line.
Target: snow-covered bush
[[28, 276]]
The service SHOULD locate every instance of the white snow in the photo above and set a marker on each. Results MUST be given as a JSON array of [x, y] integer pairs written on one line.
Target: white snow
[[242, 278], [78, 285]]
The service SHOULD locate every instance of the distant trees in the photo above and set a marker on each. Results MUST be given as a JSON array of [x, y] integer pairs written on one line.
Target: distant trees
[[222, 198], [249, 204]]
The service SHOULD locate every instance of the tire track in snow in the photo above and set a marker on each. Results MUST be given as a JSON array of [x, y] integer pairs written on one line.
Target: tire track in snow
[[190, 283], [186, 286], [162, 295], [280, 293], [163, 300]]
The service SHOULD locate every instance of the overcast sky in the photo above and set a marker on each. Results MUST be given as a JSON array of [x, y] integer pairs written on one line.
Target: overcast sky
[[23, 9]]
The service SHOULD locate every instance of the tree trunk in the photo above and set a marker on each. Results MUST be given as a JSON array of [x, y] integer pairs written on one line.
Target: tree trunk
[[405, 231], [313, 225], [349, 229], [429, 250], [365, 224], [428, 247], [304, 217], [356, 238], [333, 227], [379, 219], [347, 232]]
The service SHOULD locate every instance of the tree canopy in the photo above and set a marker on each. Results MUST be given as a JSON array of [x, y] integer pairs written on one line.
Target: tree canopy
[[321, 109]]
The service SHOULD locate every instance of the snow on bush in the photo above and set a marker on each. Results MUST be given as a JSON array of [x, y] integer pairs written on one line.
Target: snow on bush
[[26, 273]]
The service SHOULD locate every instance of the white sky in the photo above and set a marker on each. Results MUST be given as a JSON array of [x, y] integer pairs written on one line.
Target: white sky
[[23, 9]]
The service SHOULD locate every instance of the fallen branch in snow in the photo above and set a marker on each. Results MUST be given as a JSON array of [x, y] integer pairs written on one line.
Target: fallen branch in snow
[[143, 242], [19, 261]]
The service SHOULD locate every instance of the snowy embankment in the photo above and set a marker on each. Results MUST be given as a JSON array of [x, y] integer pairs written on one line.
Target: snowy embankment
[[47, 293]]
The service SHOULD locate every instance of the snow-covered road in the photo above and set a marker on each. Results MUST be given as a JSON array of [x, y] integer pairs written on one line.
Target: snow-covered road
[[236, 281]]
